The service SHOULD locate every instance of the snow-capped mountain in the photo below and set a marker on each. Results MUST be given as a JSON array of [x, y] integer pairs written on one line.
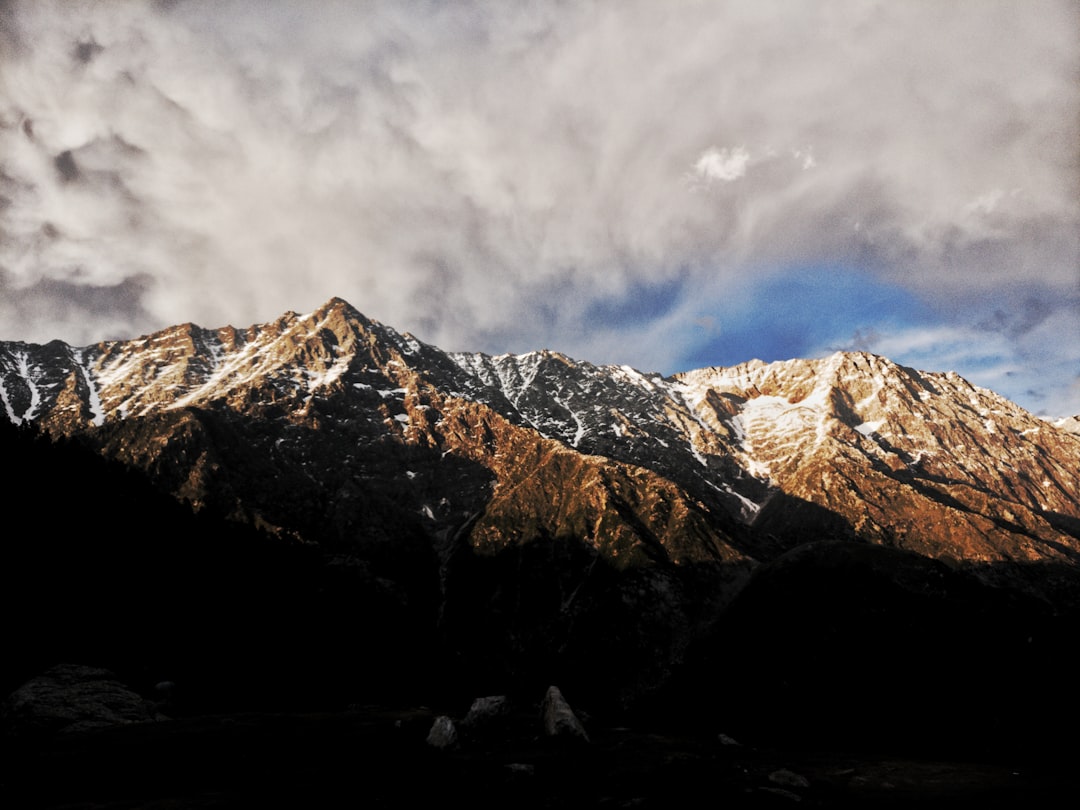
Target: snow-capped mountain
[[756, 457], [544, 515]]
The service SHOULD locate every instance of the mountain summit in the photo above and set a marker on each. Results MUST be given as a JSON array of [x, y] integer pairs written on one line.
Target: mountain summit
[[560, 515], [851, 443]]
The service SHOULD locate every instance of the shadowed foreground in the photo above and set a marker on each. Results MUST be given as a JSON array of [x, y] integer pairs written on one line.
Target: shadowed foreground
[[376, 757]]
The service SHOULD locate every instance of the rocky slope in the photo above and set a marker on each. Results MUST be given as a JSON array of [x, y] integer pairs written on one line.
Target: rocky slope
[[570, 516], [921, 461]]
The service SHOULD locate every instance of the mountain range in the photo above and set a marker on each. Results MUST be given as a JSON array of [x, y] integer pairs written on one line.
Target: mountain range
[[538, 517]]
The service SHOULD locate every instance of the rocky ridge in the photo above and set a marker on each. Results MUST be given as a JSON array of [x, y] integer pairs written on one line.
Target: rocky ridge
[[926, 462], [557, 518]]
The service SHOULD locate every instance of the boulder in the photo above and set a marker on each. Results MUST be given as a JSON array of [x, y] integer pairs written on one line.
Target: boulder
[[788, 779], [487, 715], [559, 719], [73, 697], [443, 734]]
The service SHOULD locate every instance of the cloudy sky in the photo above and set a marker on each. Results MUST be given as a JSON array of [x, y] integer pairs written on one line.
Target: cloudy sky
[[661, 183]]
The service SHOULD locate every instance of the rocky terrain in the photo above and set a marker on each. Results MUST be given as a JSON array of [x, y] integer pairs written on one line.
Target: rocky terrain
[[724, 459], [302, 514], [379, 758]]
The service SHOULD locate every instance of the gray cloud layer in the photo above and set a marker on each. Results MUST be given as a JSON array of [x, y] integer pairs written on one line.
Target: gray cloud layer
[[485, 173]]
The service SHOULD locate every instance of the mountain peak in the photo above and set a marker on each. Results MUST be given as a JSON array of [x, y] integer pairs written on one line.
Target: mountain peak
[[897, 456], [340, 308], [489, 488]]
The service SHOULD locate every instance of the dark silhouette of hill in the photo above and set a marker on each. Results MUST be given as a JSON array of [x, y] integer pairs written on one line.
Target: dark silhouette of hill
[[100, 567], [850, 645]]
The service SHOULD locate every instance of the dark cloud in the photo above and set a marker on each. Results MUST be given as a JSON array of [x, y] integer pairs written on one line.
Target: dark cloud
[[865, 339], [86, 50], [10, 41], [1029, 314], [112, 310], [66, 166]]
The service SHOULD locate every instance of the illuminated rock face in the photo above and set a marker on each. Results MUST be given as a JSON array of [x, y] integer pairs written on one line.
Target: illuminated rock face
[[925, 462], [573, 511]]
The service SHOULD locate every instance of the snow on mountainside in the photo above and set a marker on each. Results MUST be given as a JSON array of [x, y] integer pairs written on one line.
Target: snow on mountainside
[[769, 454]]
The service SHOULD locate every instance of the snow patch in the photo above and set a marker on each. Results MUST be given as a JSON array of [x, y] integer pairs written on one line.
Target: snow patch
[[217, 353], [635, 377], [23, 362], [748, 509], [916, 460], [579, 434], [322, 379], [697, 454], [97, 412], [7, 405], [242, 367], [869, 399]]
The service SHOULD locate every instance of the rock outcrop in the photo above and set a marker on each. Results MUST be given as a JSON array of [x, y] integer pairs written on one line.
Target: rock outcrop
[[559, 719], [69, 698]]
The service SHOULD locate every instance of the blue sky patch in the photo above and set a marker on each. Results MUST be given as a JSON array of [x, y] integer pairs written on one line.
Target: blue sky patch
[[802, 311]]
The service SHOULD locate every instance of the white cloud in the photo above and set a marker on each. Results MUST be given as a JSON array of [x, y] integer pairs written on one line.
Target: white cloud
[[723, 165], [805, 157], [985, 203], [481, 174]]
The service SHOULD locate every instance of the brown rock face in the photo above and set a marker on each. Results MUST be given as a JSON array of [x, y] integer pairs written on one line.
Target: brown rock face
[[715, 464], [923, 462], [562, 513]]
